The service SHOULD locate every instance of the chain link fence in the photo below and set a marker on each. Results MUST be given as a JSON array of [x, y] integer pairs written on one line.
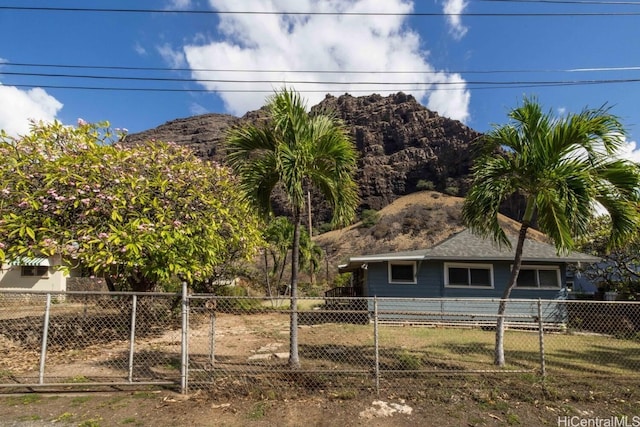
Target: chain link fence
[[75, 338], [242, 344]]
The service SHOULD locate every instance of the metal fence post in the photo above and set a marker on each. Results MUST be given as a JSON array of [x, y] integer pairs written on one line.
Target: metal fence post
[[132, 339], [184, 348], [45, 334], [376, 344], [543, 370]]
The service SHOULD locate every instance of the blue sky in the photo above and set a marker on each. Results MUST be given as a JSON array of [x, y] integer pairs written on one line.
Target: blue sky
[[462, 55]]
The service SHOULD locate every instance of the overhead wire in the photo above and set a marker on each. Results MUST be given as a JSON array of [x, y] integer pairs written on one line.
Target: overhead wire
[[307, 13], [312, 82], [316, 71], [433, 87]]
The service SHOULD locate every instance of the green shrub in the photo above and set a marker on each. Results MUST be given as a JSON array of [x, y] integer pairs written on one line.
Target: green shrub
[[341, 280], [370, 217], [325, 227], [235, 303], [452, 191], [424, 185]]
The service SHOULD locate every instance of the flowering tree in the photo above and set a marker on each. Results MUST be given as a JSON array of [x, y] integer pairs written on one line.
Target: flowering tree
[[136, 215]]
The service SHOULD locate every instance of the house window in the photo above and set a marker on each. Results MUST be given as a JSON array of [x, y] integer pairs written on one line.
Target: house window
[[402, 272], [468, 275], [34, 271], [538, 277]]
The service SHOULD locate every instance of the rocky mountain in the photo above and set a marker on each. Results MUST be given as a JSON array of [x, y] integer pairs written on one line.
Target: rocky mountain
[[400, 143]]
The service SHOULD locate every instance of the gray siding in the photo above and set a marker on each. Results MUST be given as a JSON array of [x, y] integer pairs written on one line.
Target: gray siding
[[430, 284]]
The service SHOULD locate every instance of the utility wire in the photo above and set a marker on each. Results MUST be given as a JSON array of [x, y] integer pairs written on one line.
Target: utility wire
[[237, 70], [292, 13], [389, 90], [314, 82]]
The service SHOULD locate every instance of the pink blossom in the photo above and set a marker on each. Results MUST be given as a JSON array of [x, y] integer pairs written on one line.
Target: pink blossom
[[81, 122]]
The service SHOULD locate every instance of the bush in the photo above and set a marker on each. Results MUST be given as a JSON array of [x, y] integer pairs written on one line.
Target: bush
[[325, 227], [424, 185], [233, 304], [452, 191], [370, 217]]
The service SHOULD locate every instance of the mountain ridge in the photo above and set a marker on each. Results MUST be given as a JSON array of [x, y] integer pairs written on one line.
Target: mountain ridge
[[400, 143]]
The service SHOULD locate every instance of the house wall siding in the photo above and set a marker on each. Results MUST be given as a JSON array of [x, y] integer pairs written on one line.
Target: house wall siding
[[430, 283], [11, 278]]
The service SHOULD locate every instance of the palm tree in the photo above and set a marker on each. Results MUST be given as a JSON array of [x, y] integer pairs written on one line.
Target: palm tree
[[296, 152], [562, 168]]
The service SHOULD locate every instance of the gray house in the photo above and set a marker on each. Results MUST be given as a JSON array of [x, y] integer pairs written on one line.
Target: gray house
[[464, 266]]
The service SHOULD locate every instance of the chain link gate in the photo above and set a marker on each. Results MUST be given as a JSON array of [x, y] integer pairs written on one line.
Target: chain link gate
[[88, 339]]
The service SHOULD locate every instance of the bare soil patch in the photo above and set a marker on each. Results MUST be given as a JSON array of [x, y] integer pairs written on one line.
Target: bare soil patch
[[468, 401], [432, 399]]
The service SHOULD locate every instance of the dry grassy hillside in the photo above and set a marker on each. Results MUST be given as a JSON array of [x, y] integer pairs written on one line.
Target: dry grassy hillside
[[416, 221]]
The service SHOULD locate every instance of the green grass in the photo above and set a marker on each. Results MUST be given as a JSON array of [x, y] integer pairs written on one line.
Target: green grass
[[258, 411], [78, 379], [458, 349], [29, 418], [77, 401], [25, 399], [64, 417], [92, 422]]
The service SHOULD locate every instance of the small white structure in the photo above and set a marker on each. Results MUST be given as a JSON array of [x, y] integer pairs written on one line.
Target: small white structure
[[33, 274]]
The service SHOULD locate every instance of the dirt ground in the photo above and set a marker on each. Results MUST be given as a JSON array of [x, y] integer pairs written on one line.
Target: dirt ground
[[471, 401], [463, 400]]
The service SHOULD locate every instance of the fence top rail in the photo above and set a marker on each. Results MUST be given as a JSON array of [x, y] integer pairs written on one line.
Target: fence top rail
[[478, 300], [107, 293]]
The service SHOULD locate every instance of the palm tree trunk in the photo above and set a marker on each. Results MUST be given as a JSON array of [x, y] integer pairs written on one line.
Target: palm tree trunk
[[266, 275], [294, 359], [515, 270]]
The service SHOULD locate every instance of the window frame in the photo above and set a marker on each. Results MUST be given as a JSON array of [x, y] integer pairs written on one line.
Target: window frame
[[35, 269], [469, 267], [390, 265], [537, 269]]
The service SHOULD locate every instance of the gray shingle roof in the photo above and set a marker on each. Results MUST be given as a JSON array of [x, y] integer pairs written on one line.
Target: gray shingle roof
[[465, 246]]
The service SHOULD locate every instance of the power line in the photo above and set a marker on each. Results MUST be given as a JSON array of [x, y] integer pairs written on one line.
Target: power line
[[309, 82], [312, 82], [492, 85], [292, 13], [309, 71]]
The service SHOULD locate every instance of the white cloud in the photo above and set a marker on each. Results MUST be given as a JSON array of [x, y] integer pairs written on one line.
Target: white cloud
[[18, 106], [321, 42], [139, 49], [455, 8], [451, 100], [174, 58], [179, 4], [631, 151]]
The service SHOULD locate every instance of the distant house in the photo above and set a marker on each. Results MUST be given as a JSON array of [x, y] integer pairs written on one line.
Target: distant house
[[33, 274], [463, 266]]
